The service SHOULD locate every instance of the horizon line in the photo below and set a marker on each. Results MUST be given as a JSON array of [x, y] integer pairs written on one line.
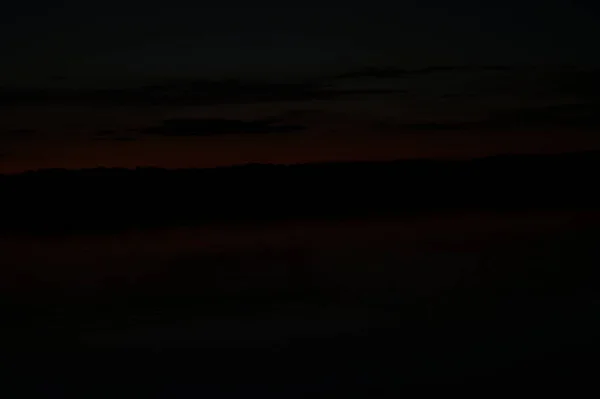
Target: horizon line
[[319, 163]]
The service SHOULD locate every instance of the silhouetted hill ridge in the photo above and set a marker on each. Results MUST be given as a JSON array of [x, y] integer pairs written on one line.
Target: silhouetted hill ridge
[[110, 198]]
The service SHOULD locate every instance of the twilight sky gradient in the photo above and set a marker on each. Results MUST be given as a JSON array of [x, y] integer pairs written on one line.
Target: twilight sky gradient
[[86, 84]]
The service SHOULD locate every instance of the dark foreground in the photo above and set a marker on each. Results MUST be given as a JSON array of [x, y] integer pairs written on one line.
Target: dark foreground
[[516, 304], [363, 278]]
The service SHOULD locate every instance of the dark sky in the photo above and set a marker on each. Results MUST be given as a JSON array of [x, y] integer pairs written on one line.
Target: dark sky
[[348, 72], [98, 39]]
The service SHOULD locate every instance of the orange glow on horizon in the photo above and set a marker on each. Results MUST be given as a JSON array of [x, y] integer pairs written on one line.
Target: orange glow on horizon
[[185, 152]]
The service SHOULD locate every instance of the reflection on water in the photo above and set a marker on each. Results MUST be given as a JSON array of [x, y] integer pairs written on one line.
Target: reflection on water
[[352, 242], [203, 285]]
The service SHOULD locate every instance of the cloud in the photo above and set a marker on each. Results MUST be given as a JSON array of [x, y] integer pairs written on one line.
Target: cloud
[[399, 127], [122, 139], [574, 115], [566, 83], [554, 83], [21, 133], [184, 92], [435, 126], [450, 82], [583, 84], [197, 127], [396, 72], [105, 133], [112, 135], [6, 154]]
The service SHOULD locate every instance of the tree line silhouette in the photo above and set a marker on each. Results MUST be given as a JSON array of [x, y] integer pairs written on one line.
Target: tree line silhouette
[[113, 198]]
